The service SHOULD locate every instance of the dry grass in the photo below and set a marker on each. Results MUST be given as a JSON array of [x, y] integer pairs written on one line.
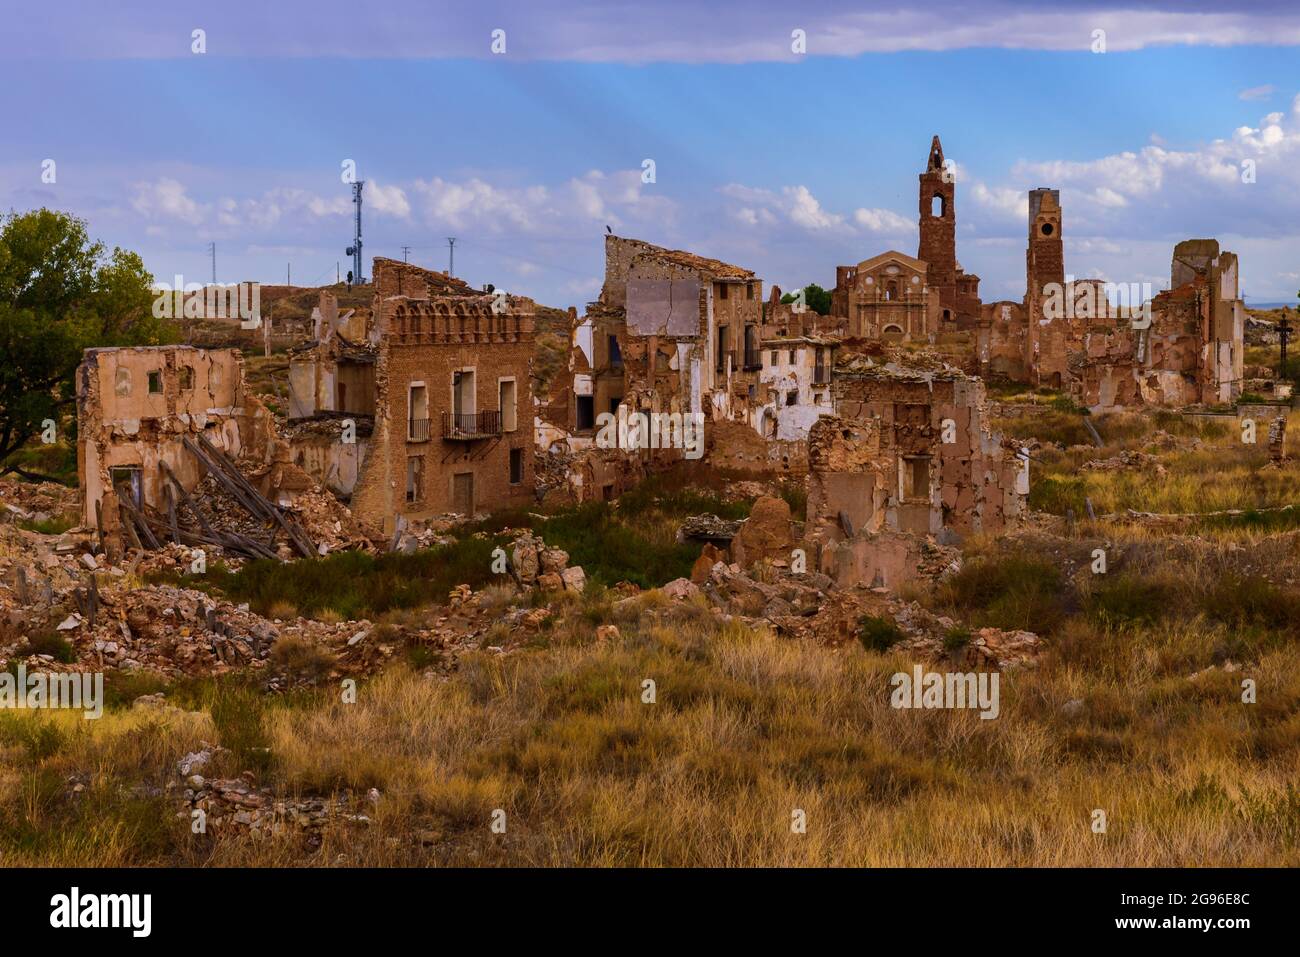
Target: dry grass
[[1135, 709], [746, 728]]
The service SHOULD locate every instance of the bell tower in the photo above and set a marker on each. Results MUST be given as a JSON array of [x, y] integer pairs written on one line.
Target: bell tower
[[938, 246]]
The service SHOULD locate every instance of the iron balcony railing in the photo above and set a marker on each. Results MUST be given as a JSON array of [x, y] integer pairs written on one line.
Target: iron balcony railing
[[753, 359], [417, 430], [470, 425]]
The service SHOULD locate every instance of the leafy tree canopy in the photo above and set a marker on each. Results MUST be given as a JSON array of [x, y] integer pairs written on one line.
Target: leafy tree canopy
[[61, 293], [815, 297]]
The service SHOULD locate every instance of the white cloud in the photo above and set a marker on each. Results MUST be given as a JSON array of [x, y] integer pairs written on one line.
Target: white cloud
[[797, 206], [1257, 92], [1157, 190], [166, 198], [883, 221], [687, 32], [389, 200], [1004, 202]]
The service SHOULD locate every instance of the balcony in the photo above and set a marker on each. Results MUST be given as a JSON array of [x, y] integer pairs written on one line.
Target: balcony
[[753, 360], [468, 426], [417, 430]]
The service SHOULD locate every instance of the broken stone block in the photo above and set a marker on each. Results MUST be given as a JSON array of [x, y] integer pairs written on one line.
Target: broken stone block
[[554, 560], [575, 579], [765, 534], [525, 559], [680, 589], [550, 582], [710, 555]]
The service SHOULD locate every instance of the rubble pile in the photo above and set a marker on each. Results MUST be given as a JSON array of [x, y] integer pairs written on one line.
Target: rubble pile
[[532, 563], [1126, 461], [809, 607], [239, 805], [709, 528], [35, 502]]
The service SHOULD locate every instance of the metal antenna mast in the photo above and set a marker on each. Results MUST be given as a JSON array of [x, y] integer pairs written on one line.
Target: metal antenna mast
[[451, 255], [355, 249], [213, 247]]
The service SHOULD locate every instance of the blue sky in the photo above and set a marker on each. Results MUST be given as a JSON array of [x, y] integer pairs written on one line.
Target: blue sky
[[789, 164]]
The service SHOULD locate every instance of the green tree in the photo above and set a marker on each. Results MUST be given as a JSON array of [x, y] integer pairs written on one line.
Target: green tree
[[60, 293], [815, 297]]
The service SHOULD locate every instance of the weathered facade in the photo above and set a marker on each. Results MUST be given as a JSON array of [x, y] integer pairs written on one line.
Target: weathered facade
[[794, 386], [136, 406], [896, 297], [908, 454], [1185, 348], [453, 403], [888, 297]]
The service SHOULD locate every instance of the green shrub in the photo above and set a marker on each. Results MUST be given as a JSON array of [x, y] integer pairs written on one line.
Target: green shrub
[[1128, 598], [955, 639], [49, 643], [1011, 592], [878, 634]]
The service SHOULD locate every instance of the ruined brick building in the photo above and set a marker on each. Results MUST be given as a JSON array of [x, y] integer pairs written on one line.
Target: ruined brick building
[[137, 407], [1112, 346], [1186, 348], [893, 296], [888, 297], [452, 401], [908, 454]]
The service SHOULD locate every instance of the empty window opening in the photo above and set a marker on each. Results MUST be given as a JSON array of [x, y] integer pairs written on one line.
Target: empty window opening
[[506, 393], [586, 412], [155, 383], [186, 377], [1047, 229], [127, 482], [916, 477], [516, 466], [462, 392], [415, 478], [418, 421]]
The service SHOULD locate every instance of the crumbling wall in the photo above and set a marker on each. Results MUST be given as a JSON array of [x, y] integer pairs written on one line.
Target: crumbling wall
[[735, 446], [910, 450], [135, 406], [421, 466]]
